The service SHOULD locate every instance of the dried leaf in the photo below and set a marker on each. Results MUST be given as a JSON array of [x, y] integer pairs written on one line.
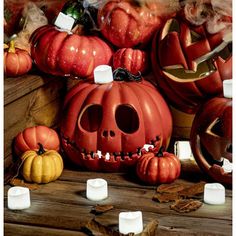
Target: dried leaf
[[20, 182], [94, 226], [99, 209], [192, 190], [150, 228], [186, 205], [165, 197], [171, 188]]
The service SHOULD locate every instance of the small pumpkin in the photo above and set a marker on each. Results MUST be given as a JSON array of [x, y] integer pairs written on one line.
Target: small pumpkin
[[16, 61], [158, 167], [29, 138], [41, 166], [134, 60]]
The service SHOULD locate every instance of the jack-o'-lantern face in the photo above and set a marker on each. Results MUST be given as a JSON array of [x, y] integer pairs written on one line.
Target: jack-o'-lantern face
[[106, 126], [189, 63], [211, 136]]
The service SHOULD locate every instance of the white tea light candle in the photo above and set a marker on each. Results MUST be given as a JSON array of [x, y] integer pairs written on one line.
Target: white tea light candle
[[130, 222], [103, 74], [18, 198], [64, 22], [96, 189], [182, 150], [214, 194], [227, 88]]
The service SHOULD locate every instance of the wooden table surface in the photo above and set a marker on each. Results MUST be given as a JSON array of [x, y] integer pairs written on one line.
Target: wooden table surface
[[61, 208]]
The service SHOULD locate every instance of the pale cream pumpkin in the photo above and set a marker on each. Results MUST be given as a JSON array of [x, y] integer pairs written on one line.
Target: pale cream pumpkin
[[41, 166]]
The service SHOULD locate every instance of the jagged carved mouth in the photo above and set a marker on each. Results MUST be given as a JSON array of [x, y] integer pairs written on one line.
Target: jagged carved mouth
[[115, 156]]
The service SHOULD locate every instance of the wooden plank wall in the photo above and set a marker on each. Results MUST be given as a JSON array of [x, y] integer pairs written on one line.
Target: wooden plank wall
[[28, 101]]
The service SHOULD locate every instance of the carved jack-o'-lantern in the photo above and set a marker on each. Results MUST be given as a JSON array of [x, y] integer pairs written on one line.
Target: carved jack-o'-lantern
[[190, 64], [211, 138], [115, 118]]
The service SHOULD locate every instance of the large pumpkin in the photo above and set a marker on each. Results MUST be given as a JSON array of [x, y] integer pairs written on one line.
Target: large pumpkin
[[29, 138], [179, 53], [158, 167], [129, 23], [63, 53], [116, 118], [211, 137]]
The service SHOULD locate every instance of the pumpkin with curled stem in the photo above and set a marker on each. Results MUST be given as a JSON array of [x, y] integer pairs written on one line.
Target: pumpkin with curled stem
[[211, 138], [158, 167], [189, 63], [16, 61], [41, 166], [65, 53], [29, 138], [117, 119]]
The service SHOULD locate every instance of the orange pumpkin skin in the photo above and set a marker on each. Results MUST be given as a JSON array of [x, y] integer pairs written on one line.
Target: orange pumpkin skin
[[17, 63], [30, 137], [64, 53], [158, 170], [134, 60], [179, 44], [117, 117], [211, 138], [127, 24]]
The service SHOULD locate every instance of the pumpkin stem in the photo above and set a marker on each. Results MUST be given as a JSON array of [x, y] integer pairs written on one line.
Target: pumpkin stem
[[122, 74], [41, 149], [12, 47], [160, 152]]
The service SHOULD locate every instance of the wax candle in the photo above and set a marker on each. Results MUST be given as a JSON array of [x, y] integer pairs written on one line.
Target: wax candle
[[227, 88], [214, 193], [130, 222], [96, 189], [64, 21], [18, 198], [182, 150], [103, 74], [227, 166]]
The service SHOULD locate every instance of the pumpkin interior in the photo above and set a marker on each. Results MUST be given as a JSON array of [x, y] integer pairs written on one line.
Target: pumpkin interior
[[203, 66]]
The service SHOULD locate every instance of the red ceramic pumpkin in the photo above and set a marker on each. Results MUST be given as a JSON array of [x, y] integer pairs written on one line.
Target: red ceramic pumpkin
[[30, 137], [129, 23], [63, 53], [158, 167], [16, 61], [116, 118], [134, 60], [211, 138], [179, 53]]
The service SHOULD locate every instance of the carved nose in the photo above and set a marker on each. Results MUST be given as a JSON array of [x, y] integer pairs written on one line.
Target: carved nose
[[108, 133]]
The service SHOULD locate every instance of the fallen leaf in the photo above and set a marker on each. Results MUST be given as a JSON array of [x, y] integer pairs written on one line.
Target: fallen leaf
[[192, 190], [171, 188], [186, 205], [20, 182], [99, 209], [165, 197], [94, 226], [150, 228]]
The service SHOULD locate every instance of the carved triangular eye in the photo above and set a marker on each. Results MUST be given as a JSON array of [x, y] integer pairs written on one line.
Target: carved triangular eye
[[226, 53], [195, 37], [174, 26], [216, 128]]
